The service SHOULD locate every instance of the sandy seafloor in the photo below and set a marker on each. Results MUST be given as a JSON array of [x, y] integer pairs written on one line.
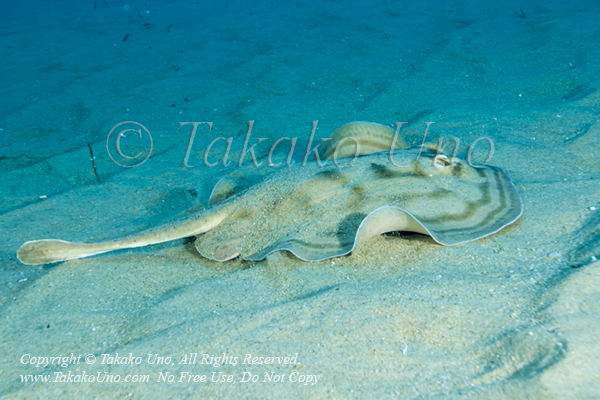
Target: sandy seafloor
[[511, 316]]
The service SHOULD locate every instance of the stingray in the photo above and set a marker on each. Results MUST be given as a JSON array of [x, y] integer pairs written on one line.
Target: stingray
[[318, 212]]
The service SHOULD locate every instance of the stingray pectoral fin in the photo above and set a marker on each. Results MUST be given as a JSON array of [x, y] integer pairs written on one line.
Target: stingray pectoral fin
[[224, 189], [316, 250], [52, 250], [228, 250], [361, 138], [232, 184], [387, 219], [382, 220]]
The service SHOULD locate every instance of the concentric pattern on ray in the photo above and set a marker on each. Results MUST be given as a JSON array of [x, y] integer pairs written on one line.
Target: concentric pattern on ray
[[360, 138], [322, 212]]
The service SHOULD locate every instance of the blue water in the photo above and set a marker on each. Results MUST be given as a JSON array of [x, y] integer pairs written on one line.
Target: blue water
[[76, 74]]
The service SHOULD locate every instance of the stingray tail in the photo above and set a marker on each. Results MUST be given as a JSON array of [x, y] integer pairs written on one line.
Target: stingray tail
[[53, 250]]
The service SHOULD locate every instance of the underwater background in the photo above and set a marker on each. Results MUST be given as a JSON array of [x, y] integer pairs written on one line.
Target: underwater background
[[511, 316]]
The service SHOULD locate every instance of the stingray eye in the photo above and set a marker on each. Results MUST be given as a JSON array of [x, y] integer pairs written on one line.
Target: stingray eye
[[441, 161]]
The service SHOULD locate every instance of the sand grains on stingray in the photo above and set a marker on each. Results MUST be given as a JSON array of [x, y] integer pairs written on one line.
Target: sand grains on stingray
[[319, 212]]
